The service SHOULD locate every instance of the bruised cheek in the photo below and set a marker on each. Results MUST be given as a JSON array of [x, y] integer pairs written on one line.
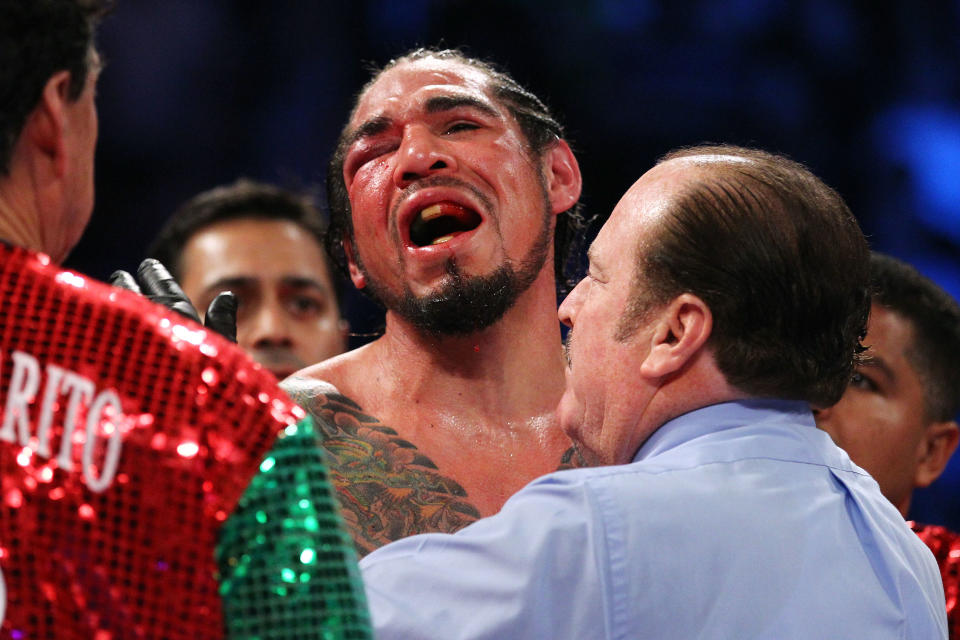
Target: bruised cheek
[[369, 194], [376, 175], [371, 178]]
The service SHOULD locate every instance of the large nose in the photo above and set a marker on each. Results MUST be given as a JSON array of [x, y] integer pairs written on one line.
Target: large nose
[[571, 304], [421, 154], [267, 326]]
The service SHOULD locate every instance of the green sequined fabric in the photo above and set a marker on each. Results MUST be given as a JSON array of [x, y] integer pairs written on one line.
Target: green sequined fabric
[[288, 569]]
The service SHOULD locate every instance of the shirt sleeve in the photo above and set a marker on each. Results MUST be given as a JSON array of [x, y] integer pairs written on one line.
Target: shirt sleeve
[[535, 570], [287, 567]]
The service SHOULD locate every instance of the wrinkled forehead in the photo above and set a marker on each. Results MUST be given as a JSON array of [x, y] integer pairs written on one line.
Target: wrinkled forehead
[[397, 87]]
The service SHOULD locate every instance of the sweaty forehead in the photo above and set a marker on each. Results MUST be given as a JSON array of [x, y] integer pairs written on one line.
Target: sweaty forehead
[[409, 82]]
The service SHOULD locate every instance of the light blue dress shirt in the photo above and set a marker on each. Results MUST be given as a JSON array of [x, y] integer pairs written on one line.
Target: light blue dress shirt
[[736, 521]]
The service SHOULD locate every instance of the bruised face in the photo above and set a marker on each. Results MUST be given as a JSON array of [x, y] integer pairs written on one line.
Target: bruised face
[[287, 316], [451, 216]]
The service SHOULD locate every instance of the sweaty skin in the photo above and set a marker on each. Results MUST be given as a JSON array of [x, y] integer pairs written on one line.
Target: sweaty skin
[[387, 488], [433, 425]]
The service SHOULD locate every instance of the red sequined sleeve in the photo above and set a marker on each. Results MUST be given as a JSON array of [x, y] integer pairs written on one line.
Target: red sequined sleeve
[[945, 545], [127, 438]]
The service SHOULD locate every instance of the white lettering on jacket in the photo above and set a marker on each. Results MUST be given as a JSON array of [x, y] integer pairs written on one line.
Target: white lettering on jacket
[[22, 398]]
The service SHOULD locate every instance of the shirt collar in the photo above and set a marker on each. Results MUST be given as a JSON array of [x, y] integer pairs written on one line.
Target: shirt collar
[[726, 415]]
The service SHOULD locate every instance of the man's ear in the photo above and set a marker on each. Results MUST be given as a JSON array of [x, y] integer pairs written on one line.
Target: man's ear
[[356, 275], [562, 174], [681, 331], [939, 443], [46, 125]]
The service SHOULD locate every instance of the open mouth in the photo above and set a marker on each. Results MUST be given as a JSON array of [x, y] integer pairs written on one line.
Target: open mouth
[[441, 222]]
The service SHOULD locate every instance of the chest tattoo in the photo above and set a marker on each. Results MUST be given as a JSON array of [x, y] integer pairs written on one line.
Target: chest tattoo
[[387, 489]]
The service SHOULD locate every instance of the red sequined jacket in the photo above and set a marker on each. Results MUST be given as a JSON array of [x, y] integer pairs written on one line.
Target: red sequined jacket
[[127, 437], [945, 545]]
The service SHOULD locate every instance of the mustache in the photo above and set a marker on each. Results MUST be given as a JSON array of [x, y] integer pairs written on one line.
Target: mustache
[[439, 181], [277, 358], [566, 348]]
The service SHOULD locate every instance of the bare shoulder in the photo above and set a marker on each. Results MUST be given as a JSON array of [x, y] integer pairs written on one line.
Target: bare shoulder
[[387, 488], [304, 389], [332, 370]]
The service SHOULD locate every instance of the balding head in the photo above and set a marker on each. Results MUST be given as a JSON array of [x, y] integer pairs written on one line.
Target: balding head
[[781, 262]]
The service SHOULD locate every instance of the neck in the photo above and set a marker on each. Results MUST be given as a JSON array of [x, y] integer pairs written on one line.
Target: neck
[[699, 384], [904, 506], [513, 368], [32, 206], [19, 222]]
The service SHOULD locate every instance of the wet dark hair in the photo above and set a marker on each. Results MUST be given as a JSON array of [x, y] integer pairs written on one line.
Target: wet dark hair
[[780, 260], [39, 38], [539, 127], [241, 200], [935, 319]]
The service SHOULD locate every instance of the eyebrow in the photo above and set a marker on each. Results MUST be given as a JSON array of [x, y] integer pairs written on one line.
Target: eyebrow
[[301, 282], [373, 126], [241, 282], [592, 258], [878, 363], [436, 104], [226, 284]]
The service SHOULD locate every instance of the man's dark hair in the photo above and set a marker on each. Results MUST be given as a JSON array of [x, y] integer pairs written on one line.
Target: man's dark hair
[[780, 260], [539, 127], [39, 38], [935, 321], [240, 200]]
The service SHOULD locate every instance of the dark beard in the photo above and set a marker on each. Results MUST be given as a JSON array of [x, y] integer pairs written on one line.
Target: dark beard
[[464, 304], [467, 304]]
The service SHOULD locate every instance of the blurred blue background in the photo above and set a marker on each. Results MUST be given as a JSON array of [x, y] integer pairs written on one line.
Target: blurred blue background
[[199, 92]]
